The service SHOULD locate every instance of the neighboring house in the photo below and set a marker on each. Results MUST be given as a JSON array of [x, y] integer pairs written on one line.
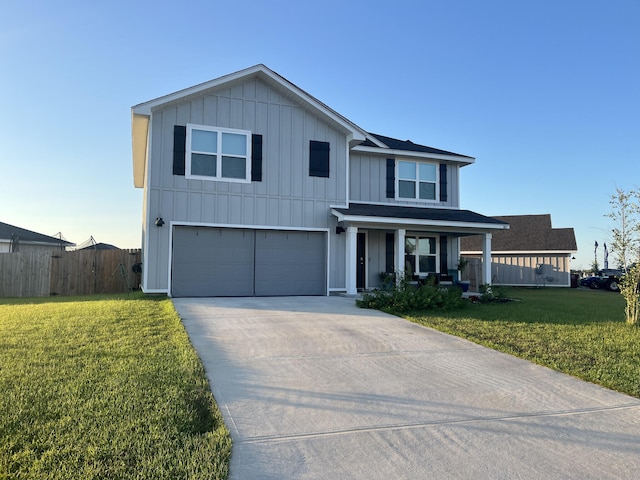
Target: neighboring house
[[99, 246], [254, 187], [16, 239], [91, 244], [530, 253]]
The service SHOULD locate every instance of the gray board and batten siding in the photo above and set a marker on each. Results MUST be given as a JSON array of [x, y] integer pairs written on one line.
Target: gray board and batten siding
[[287, 196], [300, 164], [368, 181]]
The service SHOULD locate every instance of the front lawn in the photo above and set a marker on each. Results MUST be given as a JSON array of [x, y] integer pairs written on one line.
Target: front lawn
[[104, 387], [577, 331]]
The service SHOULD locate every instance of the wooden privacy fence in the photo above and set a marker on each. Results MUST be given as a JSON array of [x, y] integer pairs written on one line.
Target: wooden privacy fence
[[83, 272], [473, 273]]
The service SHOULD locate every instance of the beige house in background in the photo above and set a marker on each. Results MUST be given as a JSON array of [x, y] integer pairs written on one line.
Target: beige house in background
[[530, 253]]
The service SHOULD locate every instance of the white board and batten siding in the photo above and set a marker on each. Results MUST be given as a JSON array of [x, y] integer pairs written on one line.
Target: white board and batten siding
[[287, 197]]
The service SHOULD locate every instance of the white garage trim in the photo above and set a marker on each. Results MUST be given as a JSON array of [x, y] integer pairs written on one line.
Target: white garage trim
[[174, 224]]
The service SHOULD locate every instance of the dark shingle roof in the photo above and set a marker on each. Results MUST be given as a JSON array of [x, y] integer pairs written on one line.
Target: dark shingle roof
[[417, 213], [528, 233], [100, 246], [408, 145], [29, 236]]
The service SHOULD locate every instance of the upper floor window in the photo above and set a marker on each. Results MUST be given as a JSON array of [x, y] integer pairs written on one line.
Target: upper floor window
[[417, 180], [214, 153]]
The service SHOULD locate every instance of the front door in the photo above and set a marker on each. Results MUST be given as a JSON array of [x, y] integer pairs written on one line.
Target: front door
[[361, 271]]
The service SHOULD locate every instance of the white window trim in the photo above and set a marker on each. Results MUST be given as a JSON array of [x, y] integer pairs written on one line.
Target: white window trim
[[218, 177], [418, 237], [417, 181]]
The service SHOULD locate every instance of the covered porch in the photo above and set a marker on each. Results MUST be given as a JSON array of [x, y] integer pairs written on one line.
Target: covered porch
[[398, 239]]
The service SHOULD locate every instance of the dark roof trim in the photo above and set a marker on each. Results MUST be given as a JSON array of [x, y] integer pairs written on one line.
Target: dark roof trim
[[417, 216], [407, 145]]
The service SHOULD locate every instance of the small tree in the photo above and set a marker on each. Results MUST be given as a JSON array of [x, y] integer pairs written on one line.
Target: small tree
[[630, 290], [624, 213], [625, 245]]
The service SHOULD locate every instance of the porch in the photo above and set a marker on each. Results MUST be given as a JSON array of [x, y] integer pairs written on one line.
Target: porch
[[395, 239]]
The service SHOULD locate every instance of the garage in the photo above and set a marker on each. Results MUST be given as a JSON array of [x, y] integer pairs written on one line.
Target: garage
[[232, 262]]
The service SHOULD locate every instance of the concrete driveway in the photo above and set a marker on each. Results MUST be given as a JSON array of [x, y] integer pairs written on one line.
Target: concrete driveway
[[314, 388]]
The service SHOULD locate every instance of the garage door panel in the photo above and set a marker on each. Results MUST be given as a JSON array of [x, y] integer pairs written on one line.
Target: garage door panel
[[290, 263], [212, 262]]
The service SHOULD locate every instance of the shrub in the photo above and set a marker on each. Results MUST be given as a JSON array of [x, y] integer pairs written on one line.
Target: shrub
[[405, 296], [492, 293]]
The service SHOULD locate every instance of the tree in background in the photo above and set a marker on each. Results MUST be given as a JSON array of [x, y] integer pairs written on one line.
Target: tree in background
[[630, 290], [624, 213], [626, 242]]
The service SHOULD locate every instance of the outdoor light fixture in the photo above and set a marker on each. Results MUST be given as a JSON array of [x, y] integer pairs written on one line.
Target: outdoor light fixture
[[159, 222], [339, 230]]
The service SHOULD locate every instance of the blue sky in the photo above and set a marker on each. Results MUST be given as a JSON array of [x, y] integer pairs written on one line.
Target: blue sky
[[545, 94]]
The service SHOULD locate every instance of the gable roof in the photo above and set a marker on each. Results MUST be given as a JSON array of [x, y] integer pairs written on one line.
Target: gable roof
[[28, 236], [359, 139], [141, 113], [528, 233]]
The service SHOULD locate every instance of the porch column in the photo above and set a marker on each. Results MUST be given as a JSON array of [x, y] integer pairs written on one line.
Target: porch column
[[486, 259], [399, 253], [350, 267]]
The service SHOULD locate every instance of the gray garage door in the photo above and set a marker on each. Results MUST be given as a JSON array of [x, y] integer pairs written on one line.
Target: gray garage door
[[221, 262]]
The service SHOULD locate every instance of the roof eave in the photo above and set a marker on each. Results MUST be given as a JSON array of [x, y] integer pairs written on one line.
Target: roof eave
[[263, 72], [477, 226], [56, 243], [139, 138], [462, 160]]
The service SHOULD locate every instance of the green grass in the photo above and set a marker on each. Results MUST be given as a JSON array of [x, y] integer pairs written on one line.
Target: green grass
[[104, 388], [577, 331]]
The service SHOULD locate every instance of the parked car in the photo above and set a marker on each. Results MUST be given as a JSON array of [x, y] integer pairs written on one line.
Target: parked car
[[607, 279]]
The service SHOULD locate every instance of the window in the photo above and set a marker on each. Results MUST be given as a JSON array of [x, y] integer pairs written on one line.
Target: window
[[417, 181], [420, 255], [218, 153]]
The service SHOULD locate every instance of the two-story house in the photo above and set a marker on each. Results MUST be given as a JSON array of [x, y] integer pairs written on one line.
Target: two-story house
[[254, 187]]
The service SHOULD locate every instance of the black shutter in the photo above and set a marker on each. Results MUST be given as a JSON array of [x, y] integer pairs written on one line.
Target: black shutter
[[179, 147], [444, 256], [443, 182], [256, 158], [318, 159], [391, 178], [389, 253]]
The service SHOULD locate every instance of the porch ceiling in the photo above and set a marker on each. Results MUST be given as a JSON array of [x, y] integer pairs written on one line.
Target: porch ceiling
[[454, 220]]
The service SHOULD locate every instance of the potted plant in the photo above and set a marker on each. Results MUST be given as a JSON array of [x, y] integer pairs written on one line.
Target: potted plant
[[387, 280], [462, 264]]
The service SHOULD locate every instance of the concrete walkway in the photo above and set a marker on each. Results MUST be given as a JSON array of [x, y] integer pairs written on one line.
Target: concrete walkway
[[315, 388]]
